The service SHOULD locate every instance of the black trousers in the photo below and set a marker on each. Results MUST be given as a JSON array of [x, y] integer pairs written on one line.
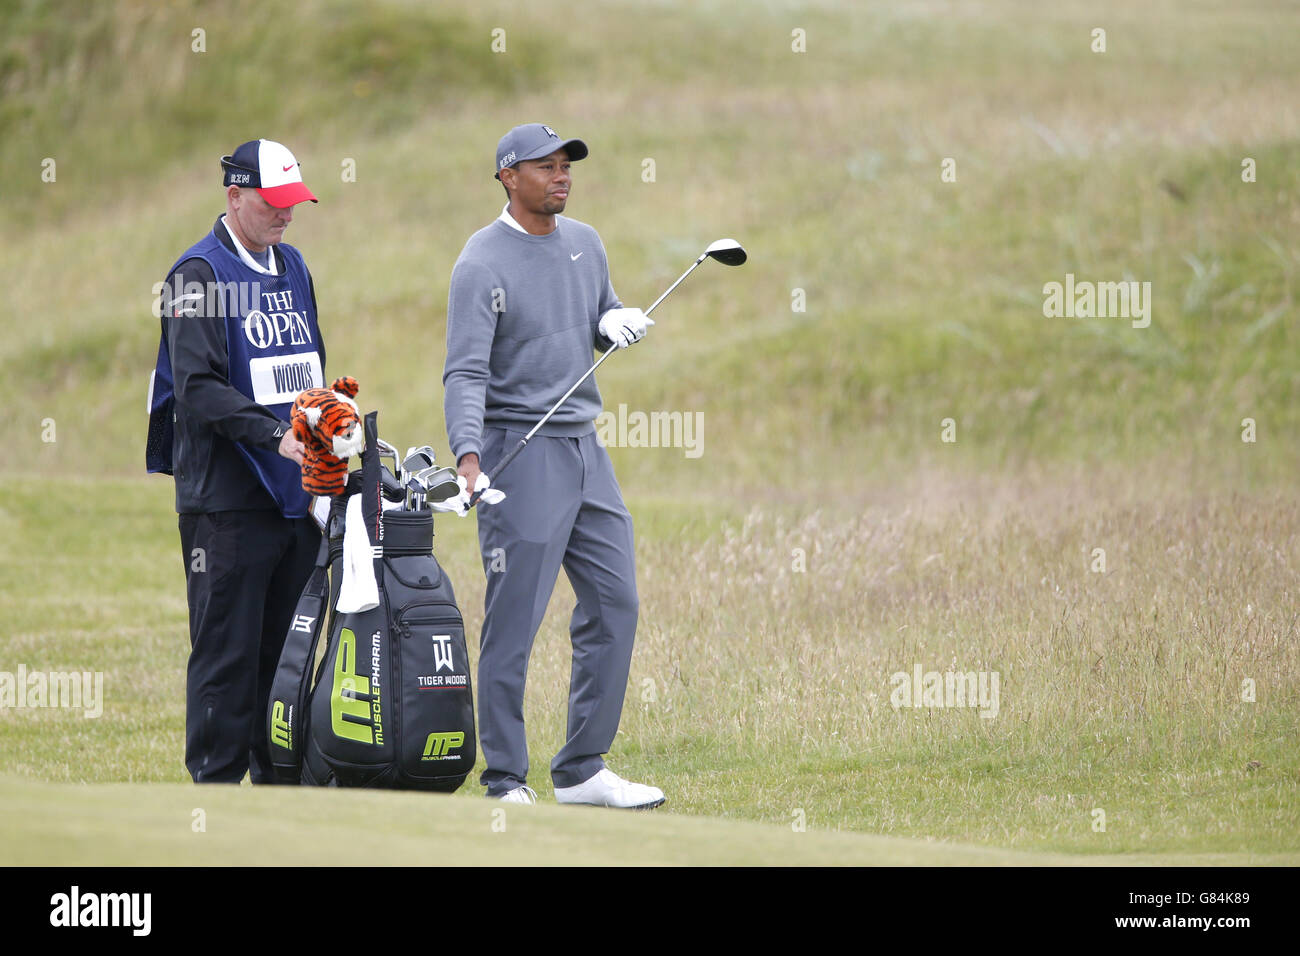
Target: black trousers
[[244, 571]]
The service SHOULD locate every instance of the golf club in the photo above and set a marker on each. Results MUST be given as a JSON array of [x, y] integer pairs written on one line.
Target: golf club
[[727, 251], [423, 450], [415, 460], [413, 491], [439, 483], [390, 487], [430, 484], [387, 451]]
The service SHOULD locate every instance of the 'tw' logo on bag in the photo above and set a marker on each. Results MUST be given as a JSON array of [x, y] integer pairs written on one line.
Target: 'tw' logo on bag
[[442, 652]]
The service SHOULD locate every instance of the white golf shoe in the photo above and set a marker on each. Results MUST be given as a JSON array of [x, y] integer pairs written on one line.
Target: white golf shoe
[[608, 789], [519, 795]]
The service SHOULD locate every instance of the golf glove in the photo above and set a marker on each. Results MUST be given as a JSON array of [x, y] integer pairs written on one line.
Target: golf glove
[[624, 326], [459, 504]]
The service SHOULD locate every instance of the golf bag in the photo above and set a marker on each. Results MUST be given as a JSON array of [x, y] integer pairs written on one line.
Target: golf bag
[[392, 705]]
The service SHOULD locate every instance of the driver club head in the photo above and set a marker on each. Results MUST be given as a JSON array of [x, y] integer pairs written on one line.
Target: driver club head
[[727, 251]]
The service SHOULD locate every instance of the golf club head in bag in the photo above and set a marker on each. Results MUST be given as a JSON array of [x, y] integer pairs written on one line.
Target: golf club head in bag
[[439, 484], [388, 451], [390, 486], [414, 461]]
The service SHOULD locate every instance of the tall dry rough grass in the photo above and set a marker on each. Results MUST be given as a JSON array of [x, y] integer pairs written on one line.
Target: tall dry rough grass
[[766, 653]]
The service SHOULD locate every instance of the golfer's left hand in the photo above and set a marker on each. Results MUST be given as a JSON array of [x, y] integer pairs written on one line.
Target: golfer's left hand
[[490, 495], [624, 326], [459, 505]]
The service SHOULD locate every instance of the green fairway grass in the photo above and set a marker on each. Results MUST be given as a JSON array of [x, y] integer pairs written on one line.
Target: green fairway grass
[[828, 535], [161, 825]]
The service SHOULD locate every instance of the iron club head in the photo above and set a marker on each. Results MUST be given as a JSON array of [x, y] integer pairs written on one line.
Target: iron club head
[[415, 460], [414, 491], [387, 451], [439, 483]]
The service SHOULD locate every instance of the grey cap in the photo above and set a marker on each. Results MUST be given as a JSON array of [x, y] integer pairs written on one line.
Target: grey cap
[[533, 141]]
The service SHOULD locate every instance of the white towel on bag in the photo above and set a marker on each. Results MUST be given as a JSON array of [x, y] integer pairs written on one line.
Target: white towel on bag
[[359, 592]]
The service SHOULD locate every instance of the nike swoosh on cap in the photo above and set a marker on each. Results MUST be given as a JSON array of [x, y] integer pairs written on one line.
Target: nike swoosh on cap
[[573, 258], [285, 169]]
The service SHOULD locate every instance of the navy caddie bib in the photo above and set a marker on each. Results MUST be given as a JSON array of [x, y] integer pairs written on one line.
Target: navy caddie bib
[[274, 353]]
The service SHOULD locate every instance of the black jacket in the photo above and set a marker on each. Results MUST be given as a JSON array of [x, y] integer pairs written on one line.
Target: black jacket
[[211, 414]]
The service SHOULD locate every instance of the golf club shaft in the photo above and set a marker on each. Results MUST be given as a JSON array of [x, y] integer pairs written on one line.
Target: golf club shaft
[[514, 452], [591, 371], [679, 281]]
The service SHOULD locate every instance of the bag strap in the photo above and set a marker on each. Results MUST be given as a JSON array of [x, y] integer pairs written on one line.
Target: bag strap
[[288, 708], [372, 490]]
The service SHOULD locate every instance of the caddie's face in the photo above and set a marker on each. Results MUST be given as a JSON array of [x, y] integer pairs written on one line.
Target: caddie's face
[[260, 223], [542, 185]]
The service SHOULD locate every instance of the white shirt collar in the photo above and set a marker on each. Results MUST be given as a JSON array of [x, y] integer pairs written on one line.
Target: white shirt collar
[[243, 253], [509, 220]]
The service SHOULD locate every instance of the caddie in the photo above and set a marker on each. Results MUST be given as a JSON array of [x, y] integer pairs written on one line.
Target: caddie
[[529, 303], [239, 341]]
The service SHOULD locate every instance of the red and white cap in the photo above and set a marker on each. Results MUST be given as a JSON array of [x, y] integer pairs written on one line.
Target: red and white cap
[[270, 168]]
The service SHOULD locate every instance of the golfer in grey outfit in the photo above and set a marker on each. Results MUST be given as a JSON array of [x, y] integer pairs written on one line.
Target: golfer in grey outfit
[[530, 302]]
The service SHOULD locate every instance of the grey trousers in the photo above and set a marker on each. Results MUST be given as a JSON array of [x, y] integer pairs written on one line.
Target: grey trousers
[[563, 508]]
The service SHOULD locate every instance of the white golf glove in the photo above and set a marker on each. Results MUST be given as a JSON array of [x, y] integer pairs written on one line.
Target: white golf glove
[[459, 504], [624, 326]]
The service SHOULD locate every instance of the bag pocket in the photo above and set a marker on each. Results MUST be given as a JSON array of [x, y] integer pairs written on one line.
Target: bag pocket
[[436, 721]]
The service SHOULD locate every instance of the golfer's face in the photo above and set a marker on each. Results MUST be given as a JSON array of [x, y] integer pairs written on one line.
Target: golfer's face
[[543, 184], [261, 223]]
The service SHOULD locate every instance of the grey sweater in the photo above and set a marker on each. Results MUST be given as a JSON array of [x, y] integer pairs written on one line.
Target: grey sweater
[[521, 328]]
